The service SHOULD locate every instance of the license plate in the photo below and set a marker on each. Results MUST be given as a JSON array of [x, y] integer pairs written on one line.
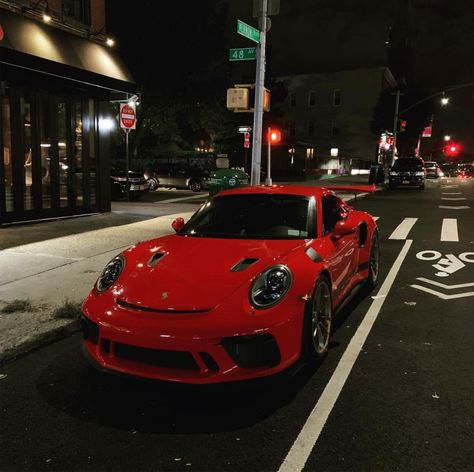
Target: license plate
[[405, 181], [137, 187]]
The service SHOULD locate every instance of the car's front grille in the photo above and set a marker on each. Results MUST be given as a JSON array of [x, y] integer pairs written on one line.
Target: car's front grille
[[157, 357]]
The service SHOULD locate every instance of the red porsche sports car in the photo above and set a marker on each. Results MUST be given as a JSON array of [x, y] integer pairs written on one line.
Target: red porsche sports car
[[244, 289]]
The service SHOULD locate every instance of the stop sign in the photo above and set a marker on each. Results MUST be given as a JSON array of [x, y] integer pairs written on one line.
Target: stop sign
[[128, 118]]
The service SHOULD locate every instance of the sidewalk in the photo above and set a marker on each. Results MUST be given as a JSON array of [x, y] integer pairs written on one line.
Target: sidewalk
[[46, 264]]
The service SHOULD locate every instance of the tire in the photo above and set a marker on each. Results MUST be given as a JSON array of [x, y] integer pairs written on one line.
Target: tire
[[374, 262], [317, 322], [195, 186], [152, 184]]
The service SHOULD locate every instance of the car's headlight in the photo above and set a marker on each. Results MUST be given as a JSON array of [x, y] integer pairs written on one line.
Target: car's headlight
[[270, 286], [419, 172], [394, 173], [110, 274]]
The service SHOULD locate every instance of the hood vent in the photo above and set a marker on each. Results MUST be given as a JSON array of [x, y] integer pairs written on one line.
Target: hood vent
[[244, 264], [155, 259]]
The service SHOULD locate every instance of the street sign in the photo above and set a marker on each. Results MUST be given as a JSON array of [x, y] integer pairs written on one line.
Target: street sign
[[128, 117], [248, 31], [242, 54], [245, 129]]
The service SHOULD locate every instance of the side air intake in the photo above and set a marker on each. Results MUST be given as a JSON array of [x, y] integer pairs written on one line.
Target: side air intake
[[155, 259]]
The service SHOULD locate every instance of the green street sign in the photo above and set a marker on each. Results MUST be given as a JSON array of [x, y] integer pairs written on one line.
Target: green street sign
[[242, 54], [248, 31]]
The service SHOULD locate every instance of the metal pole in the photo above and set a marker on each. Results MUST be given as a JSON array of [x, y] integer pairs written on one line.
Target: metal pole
[[127, 166], [258, 104], [395, 126], [268, 180]]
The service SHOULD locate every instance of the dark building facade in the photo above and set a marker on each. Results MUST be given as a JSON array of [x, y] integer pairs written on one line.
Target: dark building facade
[[57, 78]]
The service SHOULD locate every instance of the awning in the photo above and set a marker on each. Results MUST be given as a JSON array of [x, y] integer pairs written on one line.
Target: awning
[[39, 47]]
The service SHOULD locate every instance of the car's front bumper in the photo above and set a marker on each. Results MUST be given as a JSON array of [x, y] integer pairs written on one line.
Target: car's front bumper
[[191, 348]]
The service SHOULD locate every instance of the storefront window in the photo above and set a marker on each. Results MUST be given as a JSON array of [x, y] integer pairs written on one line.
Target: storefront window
[[7, 147], [45, 148], [27, 151], [63, 154], [89, 122], [78, 164]]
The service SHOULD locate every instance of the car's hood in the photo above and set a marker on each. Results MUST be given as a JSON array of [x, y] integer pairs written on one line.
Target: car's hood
[[189, 273]]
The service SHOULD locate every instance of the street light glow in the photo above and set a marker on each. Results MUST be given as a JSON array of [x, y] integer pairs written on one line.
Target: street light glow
[[447, 137], [110, 42], [444, 101]]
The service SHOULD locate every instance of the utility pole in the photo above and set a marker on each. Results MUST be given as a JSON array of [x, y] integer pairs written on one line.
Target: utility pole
[[258, 104]]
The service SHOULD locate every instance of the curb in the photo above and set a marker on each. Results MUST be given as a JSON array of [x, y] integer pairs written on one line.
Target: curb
[[36, 341]]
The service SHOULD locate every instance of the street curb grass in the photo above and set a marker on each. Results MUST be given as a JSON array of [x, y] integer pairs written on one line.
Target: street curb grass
[[39, 340]]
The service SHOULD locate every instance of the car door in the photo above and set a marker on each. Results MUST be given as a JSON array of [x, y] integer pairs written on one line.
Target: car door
[[342, 252]]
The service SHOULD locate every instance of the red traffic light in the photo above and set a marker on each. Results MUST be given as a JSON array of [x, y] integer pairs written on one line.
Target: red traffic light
[[452, 149], [274, 135]]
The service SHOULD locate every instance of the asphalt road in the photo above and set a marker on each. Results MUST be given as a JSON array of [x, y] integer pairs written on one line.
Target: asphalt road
[[399, 401]]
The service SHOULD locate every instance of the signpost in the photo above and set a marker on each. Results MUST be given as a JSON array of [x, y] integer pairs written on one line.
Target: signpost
[[128, 121], [248, 31], [242, 54]]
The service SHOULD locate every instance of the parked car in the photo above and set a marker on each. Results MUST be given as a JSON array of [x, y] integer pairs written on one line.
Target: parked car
[[409, 171], [276, 264], [118, 184], [466, 171], [182, 177], [433, 171]]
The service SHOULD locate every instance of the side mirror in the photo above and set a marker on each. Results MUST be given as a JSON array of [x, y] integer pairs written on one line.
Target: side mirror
[[177, 224], [343, 228]]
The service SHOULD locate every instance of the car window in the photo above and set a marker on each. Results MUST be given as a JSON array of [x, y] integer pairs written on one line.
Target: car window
[[408, 163], [333, 211], [251, 216]]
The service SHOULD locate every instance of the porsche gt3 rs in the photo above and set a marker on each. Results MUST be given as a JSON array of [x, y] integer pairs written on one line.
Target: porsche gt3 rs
[[244, 289]]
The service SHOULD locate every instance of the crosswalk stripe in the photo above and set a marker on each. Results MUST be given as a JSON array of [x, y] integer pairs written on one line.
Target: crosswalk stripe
[[453, 198], [402, 230], [449, 230]]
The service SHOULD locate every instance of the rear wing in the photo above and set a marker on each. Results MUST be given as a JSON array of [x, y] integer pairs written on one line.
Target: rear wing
[[352, 188]]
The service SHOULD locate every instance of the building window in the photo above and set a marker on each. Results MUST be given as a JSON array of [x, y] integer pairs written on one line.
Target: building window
[[77, 10], [292, 99], [334, 130], [312, 98], [336, 98], [310, 128], [309, 153], [7, 148], [292, 129]]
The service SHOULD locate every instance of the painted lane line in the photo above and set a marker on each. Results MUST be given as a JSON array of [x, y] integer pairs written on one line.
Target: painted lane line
[[402, 230], [453, 198], [442, 295], [304, 444], [463, 207], [449, 230], [447, 287]]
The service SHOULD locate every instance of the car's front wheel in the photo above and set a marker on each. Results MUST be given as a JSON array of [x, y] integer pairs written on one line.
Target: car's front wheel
[[318, 320], [152, 184], [195, 186]]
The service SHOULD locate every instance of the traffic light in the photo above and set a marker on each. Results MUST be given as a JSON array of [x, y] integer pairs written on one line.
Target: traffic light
[[274, 135], [452, 149], [402, 125]]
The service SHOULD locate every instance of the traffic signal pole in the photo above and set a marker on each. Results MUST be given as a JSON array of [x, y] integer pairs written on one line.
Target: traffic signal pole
[[258, 104]]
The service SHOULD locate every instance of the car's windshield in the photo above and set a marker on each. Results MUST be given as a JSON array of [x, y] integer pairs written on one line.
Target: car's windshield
[[430, 164], [253, 216], [408, 164]]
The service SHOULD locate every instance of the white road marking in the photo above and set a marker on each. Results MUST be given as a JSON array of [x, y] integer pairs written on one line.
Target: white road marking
[[451, 193], [453, 198], [462, 207], [448, 287], [302, 447], [449, 230], [442, 295], [402, 230]]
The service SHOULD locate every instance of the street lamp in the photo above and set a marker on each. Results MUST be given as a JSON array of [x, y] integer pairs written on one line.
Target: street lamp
[[447, 137], [444, 101]]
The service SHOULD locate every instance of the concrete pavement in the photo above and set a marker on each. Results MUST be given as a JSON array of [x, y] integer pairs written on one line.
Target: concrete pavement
[[50, 263]]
